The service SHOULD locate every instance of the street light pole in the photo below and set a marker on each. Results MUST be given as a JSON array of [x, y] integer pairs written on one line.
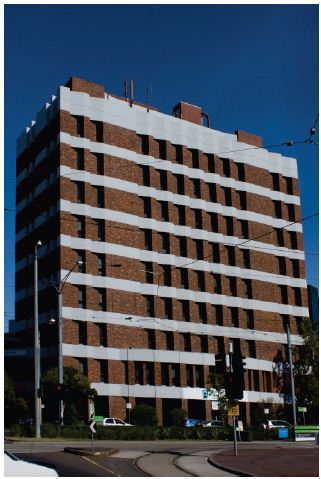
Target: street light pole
[[37, 346], [291, 372]]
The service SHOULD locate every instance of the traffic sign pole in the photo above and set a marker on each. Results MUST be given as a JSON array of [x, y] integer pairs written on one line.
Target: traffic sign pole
[[235, 439]]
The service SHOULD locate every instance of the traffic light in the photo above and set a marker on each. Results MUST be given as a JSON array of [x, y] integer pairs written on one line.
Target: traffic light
[[234, 386], [238, 363], [59, 389]]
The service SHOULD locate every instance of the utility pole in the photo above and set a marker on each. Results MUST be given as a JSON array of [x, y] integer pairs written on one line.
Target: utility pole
[[37, 345], [291, 372]]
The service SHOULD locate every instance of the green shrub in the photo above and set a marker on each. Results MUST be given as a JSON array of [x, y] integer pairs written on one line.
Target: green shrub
[[50, 430], [177, 416], [144, 415]]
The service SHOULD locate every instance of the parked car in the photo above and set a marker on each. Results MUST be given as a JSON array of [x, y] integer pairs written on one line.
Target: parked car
[[215, 423], [26, 422], [193, 422], [275, 423], [114, 421], [14, 467]]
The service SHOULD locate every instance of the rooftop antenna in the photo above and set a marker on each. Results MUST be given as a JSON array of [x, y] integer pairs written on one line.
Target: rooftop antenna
[[149, 96], [126, 88], [132, 90]]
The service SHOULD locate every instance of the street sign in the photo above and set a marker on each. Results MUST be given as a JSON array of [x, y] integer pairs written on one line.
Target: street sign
[[266, 411], [233, 410], [98, 418], [205, 393], [92, 427], [302, 409], [283, 433], [239, 426], [128, 405], [215, 406]]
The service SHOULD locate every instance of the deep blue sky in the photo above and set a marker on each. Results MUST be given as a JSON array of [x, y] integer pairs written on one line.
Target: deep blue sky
[[253, 67]]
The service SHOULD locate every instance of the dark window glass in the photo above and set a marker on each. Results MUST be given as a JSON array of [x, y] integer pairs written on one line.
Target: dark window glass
[[147, 239], [241, 171], [219, 315], [234, 317], [293, 239], [199, 249], [182, 245], [297, 296], [79, 125], [101, 299], [80, 192], [285, 322], [184, 278], [210, 162], [144, 144], [147, 207], [252, 349], [145, 175], [178, 153], [229, 225], [202, 312], [189, 375], [181, 215], [149, 276], [195, 158], [168, 308], [80, 159], [167, 275], [165, 243], [232, 281], [226, 167], [162, 149], [83, 366], [256, 379], [99, 131], [246, 258], [227, 196], [277, 209], [201, 280], [139, 373], [185, 310], [100, 196], [244, 228], [100, 230], [165, 374], [81, 297], [247, 288], [279, 237], [99, 163], [242, 200], [102, 335], [199, 376], [284, 294], [169, 340], [198, 219], [187, 344], [175, 375], [80, 226], [295, 268], [150, 377], [217, 284], [164, 210], [291, 212], [81, 260], [103, 371], [276, 181], [214, 222], [282, 265], [289, 185], [212, 192], [231, 255], [196, 188], [150, 306], [151, 339], [163, 180], [101, 264], [82, 332], [179, 184], [204, 343], [249, 319], [216, 253]]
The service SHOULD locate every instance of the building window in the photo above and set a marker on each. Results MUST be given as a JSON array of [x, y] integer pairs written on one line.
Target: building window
[[249, 319], [101, 264], [284, 294], [279, 236], [204, 343], [81, 297], [102, 332], [181, 215], [234, 317], [161, 149], [267, 381], [164, 210], [82, 332], [291, 212], [165, 243], [150, 377], [202, 312], [144, 144], [179, 184], [99, 196], [101, 299], [256, 380], [99, 131], [215, 252], [145, 174], [184, 278], [195, 158], [81, 261], [226, 167], [251, 349], [232, 281], [185, 310], [100, 230], [147, 239], [179, 154], [149, 274], [289, 185], [167, 275], [139, 373], [79, 125], [82, 366], [229, 225], [187, 343], [212, 192], [210, 162], [244, 228], [295, 268], [196, 188], [169, 338], [285, 322], [199, 376], [217, 284], [199, 249], [246, 258], [198, 219], [163, 180], [80, 226], [214, 221], [168, 308], [99, 163], [241, 171], [218, 315], [182, 245], [103, 371], [80, 187], [80, 159], [189, 376], [247, 288], [227, 195], [165, 374], [297, 296], [151, 339], [149, 305], [175, 379], [293, 240], [147, 207], [242, 200], [282, 265], [231, 255], [277, 209], [276, 181]]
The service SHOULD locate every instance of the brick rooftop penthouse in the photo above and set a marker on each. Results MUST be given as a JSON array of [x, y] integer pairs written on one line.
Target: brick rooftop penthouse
[[157, 207]]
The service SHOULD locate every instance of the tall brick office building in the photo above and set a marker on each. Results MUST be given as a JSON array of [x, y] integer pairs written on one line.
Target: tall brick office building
[[157, 208]]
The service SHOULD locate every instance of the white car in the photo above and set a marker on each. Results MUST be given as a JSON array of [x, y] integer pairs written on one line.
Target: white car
[[14, 467], [275, 423], [114, 421]]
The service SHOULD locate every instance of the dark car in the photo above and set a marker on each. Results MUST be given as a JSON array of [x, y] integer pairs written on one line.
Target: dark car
[[26, 422]]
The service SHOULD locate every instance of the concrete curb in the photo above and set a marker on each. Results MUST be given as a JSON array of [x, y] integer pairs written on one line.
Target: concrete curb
[[182, 468], [87, 451], [237, 472], [138, 467]]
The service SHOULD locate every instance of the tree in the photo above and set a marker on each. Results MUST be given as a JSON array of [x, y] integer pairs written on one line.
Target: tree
[[177, 416], [14, 407], [75, 395], [306, 371], [215, 388], [144, 415]]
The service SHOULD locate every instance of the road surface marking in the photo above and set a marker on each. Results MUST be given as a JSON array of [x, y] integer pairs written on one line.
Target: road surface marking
[[102, 467]]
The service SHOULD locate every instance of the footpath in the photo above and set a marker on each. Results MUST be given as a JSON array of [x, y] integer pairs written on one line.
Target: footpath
[[267, 462]]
